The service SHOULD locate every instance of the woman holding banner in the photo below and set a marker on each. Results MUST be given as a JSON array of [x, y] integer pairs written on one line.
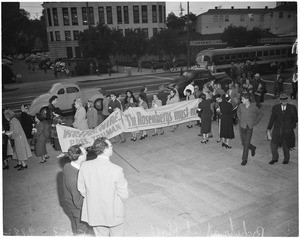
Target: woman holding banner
[[144, 105], [172, 98], [80, 121], [157, 103], [131, 103]]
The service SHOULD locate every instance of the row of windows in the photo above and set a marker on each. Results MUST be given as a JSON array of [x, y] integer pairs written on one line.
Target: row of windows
[[221, 18], [250, 55], [158, 15], [68, 35]]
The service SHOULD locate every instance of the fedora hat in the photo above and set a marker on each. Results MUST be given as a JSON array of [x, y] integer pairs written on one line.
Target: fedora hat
[[283, 96]]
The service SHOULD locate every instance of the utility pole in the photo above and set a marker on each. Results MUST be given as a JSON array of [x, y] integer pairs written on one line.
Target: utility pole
[[188, 34]]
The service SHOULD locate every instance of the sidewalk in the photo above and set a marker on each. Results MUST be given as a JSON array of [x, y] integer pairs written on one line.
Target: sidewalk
[[178, 187]]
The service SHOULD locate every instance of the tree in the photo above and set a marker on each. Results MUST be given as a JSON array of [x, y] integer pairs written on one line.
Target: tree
[[178, 23], [96, 42], [167, 43], [239, 36], [135, 44]]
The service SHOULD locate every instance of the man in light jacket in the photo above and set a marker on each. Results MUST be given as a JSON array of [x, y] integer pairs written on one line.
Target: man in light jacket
[[104, 188]]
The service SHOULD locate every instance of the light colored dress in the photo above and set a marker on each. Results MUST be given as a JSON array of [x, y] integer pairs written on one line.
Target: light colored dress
[[80, 121], [21, 146]]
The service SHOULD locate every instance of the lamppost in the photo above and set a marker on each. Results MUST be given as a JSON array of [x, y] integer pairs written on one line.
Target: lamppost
[[188, 34]]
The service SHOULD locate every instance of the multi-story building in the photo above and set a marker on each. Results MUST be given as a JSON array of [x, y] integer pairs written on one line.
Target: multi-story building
[[66, 19], [281, 20]]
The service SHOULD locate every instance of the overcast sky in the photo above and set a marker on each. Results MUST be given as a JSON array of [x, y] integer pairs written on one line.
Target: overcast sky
[[196, 7]]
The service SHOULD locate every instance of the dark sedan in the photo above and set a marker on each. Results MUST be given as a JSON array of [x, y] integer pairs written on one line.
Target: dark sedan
[[200, 77]]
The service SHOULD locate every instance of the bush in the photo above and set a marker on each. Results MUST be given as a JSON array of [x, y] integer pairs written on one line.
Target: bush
[[82, 68]]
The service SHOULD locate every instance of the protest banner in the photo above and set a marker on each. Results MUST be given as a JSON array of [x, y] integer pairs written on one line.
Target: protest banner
[[133, 119]]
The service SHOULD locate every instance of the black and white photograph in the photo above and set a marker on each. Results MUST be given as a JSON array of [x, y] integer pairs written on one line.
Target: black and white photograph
[[150, 119]]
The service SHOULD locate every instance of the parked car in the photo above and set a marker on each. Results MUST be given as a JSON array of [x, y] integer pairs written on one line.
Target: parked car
[[66, 93], [200, 77]]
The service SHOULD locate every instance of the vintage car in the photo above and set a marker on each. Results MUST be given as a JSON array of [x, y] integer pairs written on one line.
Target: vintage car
[[200, 77], [66, 93]]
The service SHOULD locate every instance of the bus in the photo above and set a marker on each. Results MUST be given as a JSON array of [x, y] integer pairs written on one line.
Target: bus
[[267, 57]]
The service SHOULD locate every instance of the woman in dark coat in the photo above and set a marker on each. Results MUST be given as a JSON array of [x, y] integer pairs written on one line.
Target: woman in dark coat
[[226, 122], [205, 112], [39, 134], [27, 123]]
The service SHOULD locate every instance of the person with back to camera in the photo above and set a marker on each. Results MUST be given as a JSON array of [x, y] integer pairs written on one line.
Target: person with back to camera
[[92, 115], [143, 95], [104, 188], [40, 138], [189, 96], [204, 109], [283, 120], [249, 115], [73, 198], [172, 98], [27, 123]]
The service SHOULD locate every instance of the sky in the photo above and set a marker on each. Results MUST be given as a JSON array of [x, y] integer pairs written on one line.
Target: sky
[[196, 7]]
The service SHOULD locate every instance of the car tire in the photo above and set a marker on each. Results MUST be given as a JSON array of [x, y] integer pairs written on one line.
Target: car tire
[[43, 112], [98, 104]]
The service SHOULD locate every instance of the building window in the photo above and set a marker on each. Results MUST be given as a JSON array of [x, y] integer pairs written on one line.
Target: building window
[[49, 17], [109, 15], [226, 17], [76, 35], [69, 52], [91, 16], [280, 14], [160, 14], [144, 14], [215, 18], [55, 16], [51, 36], [66, 18], [136, 15], [154, 14], [74, 16], [57, 36], [155, 31], [84, 16], [164, 14], [119, 15], [262, 17], [77, 52], [126, 15], [145, 31], [101, 15], [68, 35], [242, 18], [221, 18]]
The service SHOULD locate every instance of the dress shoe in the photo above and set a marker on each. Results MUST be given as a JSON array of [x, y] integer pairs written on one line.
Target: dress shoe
[[253, 151], [218, 140], [23, 167], [244, 163], [142, 137], [285, 162], [43, 161], [273, 161], [6, 167], [17, 166], [227, 146], [162, 132], [155, 134], [223, 144]]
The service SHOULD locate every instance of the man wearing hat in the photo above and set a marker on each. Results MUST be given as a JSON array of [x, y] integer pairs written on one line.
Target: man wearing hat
[[283, 121], [249, 116]]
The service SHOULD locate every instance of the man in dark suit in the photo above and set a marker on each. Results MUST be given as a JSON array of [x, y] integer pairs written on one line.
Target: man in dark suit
[[284, 119], [73, 198]]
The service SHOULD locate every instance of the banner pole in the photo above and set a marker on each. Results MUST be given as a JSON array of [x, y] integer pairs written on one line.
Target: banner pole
[[126, 161]]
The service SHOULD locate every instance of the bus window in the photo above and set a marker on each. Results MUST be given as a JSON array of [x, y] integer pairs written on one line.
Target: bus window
[[221, 57], [259, 53], [283, 51], [233, 57], [271, 52], [239, 56], [252, 54], [206, 58], [266, 53], [277, 52], [246, 55], [227, 57]]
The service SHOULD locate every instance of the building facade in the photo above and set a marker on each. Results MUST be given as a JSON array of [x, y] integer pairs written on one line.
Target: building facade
[[65, 20], [281, 20]]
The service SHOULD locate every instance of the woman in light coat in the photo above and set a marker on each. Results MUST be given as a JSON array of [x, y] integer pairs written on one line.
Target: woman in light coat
[[21, 146], [80, 121]]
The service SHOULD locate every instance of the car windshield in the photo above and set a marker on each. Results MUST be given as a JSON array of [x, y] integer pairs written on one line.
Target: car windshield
[[187, 74]]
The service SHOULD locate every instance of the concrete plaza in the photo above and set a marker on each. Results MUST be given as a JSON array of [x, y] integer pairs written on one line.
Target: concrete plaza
[[178, 187]]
